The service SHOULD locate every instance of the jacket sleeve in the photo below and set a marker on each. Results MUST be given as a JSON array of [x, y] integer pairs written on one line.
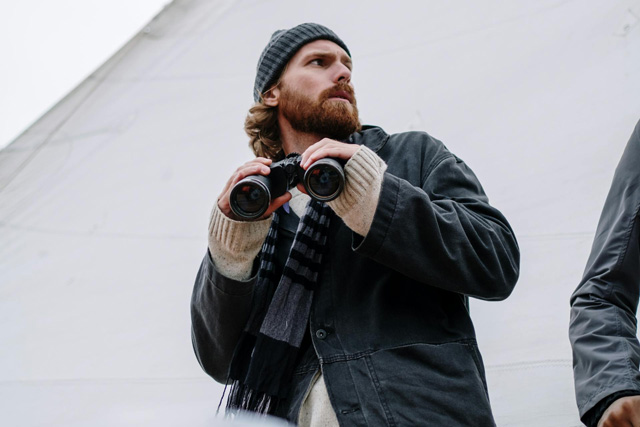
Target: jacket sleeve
[[443, 232], [602, 329], [220, 308]]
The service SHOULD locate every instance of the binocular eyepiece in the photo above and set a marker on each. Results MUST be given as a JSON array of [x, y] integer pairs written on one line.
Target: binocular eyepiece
[[323, 180]]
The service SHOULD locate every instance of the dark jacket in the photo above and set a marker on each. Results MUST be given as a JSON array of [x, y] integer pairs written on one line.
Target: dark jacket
[[389, 323], [606, 352]]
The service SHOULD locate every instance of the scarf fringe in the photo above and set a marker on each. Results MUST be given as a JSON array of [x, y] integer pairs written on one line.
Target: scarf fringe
[[241, 397]]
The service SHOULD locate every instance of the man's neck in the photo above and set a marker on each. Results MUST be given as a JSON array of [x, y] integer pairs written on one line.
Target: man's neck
[[294, 141]]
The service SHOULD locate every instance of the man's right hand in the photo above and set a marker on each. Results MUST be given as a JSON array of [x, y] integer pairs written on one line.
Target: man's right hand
[[257, 166], [623, 412]]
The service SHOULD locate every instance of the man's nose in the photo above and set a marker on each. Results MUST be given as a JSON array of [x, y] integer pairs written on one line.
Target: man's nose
[[342, 73]]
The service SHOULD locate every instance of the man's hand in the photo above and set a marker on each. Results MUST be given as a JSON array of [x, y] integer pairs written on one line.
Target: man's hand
[[326, 148], [623, 412], [258, 166]]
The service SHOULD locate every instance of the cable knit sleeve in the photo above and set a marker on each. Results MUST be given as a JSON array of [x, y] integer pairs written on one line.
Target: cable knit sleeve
[[233, 245], [359, 199]]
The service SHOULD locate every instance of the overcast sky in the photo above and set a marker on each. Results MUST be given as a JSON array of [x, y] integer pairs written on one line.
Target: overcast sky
[[48, 47]]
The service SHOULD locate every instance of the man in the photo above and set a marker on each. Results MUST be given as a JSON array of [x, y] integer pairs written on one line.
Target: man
[[606, 352], [355, 312]]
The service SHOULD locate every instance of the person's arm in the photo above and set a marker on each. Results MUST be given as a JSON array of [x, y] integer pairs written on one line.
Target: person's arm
[[602, 330], [222, 293], [221, 298], [442, 233], [357, 203], [220, 307], [234, 245]]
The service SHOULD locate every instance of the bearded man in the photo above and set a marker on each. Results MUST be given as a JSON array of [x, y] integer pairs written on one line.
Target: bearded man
[[353, 311]]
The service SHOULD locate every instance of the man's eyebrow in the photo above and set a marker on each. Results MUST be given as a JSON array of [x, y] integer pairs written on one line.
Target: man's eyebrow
[[318, 53]]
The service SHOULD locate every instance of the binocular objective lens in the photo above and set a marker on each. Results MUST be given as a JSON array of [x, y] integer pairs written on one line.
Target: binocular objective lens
[[324, 182], [251, 198]]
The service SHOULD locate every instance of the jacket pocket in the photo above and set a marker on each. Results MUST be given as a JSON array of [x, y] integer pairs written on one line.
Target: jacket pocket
[[431, 384]]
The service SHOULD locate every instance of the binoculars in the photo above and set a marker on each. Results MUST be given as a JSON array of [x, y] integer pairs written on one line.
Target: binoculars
[[251, 196]]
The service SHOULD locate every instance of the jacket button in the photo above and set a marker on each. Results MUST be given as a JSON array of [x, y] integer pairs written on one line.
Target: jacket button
[[321, 334]]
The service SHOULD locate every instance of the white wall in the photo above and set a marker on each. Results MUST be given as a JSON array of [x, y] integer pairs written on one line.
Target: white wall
[[104, 201]]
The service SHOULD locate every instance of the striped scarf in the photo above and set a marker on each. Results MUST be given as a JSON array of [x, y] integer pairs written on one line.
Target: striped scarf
[[264, 359]]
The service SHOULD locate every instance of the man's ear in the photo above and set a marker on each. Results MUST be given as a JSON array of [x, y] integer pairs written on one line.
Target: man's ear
[[272, 96]]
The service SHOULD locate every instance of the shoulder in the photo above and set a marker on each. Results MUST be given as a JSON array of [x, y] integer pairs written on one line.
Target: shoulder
[[627, 170], [410, 155], [411, 142]]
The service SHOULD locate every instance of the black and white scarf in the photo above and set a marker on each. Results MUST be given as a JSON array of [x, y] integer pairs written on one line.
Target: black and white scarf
[[264, 359]]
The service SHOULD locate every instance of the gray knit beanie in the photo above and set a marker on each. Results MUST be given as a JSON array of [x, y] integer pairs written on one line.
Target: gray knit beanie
[[282, 46]]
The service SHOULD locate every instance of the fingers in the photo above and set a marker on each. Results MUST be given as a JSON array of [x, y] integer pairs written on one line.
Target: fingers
[[259, 165], [327, 148], [301, 188], [623, 412], [276, 203]]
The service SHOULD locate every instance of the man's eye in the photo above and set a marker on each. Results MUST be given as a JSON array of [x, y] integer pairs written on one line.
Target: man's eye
[[316, 62]]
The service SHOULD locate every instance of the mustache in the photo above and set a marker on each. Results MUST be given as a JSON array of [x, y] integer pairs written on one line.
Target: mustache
[[340, 90]]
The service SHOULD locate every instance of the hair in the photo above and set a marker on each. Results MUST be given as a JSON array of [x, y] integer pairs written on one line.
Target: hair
[[261, 125]]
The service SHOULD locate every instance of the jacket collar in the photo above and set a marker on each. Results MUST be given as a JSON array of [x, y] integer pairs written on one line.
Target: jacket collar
[[372, 137]]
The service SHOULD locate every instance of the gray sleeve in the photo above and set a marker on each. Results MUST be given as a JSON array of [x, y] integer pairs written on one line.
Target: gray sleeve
[[602, 329], [220, 308]]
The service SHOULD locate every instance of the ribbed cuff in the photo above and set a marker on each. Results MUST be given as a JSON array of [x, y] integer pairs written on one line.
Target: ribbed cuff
[[234, 245], [359, 199]]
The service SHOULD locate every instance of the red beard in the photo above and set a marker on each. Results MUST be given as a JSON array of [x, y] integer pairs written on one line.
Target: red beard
[[324, 117]]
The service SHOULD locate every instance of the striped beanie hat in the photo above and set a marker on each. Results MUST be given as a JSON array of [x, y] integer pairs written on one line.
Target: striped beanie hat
[[282, 46]]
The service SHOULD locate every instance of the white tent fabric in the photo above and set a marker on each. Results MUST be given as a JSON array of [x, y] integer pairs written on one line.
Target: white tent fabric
[[104, 201]]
